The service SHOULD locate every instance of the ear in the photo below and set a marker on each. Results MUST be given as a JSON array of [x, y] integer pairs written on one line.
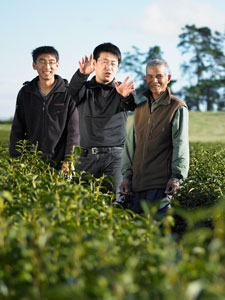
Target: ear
[[34, 66], [169, 78], [118, 67]]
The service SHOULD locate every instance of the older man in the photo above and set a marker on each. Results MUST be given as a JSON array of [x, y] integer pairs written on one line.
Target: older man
[[156, 154]]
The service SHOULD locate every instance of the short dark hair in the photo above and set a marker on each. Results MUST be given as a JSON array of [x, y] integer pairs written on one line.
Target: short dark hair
[[44, 50], [158, 62], [107, 47]]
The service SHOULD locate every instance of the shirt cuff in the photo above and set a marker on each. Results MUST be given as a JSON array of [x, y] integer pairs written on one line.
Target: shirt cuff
[[176, 179]]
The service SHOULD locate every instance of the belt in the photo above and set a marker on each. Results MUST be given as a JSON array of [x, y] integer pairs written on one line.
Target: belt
[[96, 150]]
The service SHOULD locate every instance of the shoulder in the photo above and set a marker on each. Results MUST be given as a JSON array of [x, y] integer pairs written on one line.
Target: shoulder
[[25, 88], [26, 83], [141, 104], [141, 108], [61, 82], [178, 101], [29, 85], [92, 84]]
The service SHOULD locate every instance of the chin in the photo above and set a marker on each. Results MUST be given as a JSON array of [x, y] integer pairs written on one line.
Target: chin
[[107, 80], [155, 91]]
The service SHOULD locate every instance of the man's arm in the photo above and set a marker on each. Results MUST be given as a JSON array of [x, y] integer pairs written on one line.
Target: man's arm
[[127, 158], [76, 86], [73, 135], [18, 129], [127, 92], [73, 132], [180, 157], [129, 103]]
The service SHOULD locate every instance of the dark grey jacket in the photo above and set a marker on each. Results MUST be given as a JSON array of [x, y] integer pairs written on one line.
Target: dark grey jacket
[[53, 123], [102, 112]]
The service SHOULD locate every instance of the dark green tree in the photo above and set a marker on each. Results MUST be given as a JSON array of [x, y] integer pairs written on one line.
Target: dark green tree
[[204, 67], [134, 63]]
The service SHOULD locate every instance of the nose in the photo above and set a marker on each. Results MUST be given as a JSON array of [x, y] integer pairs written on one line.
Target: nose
[[47, 65], [154, 79], [108, 66]]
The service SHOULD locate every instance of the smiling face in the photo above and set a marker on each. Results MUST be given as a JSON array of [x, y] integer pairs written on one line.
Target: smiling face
[[46, 66], [157, 80], [106, 67]]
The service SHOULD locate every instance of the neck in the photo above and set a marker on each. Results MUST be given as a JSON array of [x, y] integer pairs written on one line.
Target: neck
[[47, 85], [101, 81], [156, 96]]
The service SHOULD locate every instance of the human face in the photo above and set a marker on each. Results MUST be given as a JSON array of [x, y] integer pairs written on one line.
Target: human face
[[46, 66], [106, 67], [157, 80]]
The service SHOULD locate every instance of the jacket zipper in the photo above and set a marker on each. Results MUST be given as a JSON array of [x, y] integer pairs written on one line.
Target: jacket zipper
[[146, 136], [44, 117]]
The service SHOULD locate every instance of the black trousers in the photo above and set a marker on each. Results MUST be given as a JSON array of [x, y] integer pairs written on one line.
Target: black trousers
[[108, 163]]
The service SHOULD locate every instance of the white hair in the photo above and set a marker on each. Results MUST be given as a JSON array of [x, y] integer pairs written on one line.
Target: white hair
[[158, 62]]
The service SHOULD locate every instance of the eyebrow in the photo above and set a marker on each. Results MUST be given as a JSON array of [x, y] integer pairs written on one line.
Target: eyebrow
[[109, 59], [154, 75], [47, 60]]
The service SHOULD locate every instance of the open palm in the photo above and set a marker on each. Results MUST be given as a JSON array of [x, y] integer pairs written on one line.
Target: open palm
[[125, 88], [87, 66]]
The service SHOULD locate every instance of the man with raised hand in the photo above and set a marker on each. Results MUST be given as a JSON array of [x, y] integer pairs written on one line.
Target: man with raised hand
[[103, 106]]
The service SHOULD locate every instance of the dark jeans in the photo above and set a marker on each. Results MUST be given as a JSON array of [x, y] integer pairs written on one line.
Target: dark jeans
[[151, 197], [108, 163]]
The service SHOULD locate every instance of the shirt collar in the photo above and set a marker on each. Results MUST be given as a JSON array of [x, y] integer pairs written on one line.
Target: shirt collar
[[94, 84]]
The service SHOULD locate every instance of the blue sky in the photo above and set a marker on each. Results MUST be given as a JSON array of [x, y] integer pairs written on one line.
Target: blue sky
[[75, 27]]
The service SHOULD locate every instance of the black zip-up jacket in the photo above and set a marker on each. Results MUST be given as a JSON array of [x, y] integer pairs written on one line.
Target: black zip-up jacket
[[102, 112], [52, 123]]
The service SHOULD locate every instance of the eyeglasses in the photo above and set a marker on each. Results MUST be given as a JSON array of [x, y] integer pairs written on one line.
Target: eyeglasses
[[108, 63], [152, 77], [43, 62]]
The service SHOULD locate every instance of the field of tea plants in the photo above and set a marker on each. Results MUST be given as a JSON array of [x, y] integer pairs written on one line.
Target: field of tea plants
[[63, 240]]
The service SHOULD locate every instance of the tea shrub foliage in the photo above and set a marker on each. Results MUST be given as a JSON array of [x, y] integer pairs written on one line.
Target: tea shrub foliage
[[65, 240]]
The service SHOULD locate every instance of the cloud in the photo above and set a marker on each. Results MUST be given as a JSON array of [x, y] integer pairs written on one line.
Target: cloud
[[166, 19]]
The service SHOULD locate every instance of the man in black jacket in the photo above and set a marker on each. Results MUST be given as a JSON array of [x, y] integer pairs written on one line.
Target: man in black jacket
[[45, 112], [103, 106]]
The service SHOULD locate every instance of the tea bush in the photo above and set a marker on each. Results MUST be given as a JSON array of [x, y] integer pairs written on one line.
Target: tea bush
[[206, 180], [65, 240]]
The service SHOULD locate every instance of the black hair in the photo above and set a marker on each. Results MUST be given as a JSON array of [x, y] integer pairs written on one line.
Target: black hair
[[107, 47], [44, 50]]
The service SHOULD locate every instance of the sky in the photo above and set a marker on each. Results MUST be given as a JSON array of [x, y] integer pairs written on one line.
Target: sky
[[75, 28]]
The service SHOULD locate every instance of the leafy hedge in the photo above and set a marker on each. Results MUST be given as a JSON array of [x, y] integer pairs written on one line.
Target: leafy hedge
[[206, 181], [61, 240]]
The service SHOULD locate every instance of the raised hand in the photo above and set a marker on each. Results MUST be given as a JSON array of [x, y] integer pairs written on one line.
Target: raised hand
[[87, 66], [125, 88]]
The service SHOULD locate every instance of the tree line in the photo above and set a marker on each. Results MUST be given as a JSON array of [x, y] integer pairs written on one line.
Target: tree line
[[203, 67]]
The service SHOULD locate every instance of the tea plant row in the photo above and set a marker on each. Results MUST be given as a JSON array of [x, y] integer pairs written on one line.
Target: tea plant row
[[61, 239]]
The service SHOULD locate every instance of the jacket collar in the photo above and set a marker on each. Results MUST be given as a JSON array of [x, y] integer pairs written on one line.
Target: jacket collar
[[94, 84], [165, 98], [60, 87]]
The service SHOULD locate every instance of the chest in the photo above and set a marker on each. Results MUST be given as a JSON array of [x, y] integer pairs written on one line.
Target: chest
[[100, 102], [153, 125]]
